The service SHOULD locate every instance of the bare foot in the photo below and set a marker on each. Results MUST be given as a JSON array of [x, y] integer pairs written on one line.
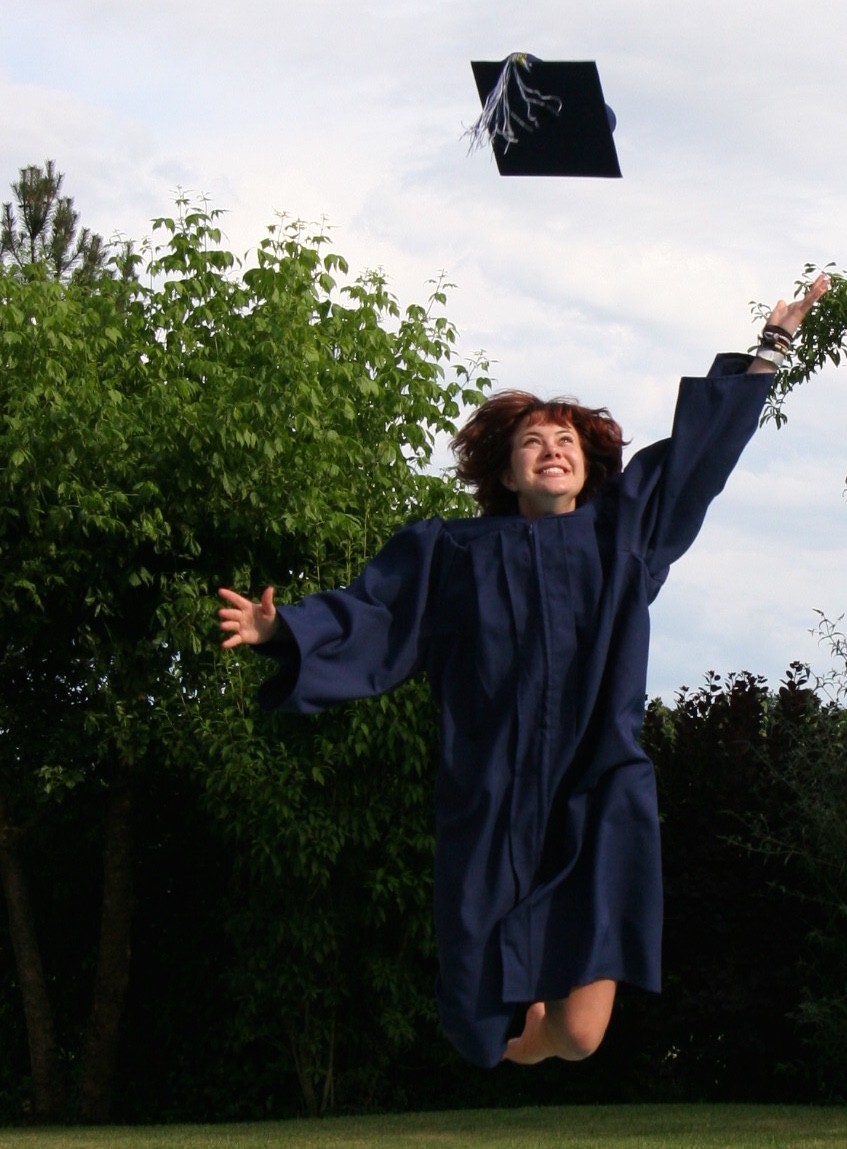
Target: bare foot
[[571, 1027], [534, 1043]]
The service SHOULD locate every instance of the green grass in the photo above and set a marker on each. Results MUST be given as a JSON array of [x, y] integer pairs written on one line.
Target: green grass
[[583, 1127]]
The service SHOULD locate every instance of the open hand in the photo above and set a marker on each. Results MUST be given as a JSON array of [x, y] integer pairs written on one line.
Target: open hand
[[791, 315], [246, 621]]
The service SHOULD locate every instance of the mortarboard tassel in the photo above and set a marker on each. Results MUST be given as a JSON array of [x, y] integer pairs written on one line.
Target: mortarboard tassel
[[498, 118]]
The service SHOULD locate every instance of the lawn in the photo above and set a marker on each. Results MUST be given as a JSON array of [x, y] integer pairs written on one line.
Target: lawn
[[583, 1127]]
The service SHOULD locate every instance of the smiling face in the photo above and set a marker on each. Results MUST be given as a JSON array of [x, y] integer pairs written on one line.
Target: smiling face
[[546, 468]]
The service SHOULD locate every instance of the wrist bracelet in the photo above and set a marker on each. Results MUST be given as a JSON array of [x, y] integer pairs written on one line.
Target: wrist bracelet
[[770, 354], [775, 329], [772, 339]]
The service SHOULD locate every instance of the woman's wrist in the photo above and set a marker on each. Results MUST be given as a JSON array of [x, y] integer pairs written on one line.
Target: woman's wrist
[[273, 630], [775, 344], [770, 355]]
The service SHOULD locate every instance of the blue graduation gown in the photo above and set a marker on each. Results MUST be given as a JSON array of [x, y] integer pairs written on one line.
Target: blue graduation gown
[[534, 637]]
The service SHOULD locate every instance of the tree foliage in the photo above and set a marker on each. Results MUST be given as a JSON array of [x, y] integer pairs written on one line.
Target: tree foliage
[[808, 835], [176, 425], [40, 232], [753, 786]]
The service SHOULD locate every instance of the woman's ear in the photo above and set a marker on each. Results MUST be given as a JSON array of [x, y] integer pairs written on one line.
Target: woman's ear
[[507, 480]]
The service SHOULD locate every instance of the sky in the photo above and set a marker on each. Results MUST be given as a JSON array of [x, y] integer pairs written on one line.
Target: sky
[[730, 135]]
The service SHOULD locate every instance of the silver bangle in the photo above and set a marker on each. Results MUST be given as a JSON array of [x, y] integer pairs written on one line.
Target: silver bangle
[[771, 354]]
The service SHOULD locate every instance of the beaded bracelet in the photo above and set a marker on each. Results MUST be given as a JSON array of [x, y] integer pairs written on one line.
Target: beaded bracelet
[[774, 339]]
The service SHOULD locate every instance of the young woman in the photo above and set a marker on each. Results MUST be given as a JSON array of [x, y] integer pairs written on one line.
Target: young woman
[[531, 622]]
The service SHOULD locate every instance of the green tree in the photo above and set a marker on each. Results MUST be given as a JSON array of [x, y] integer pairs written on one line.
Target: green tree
[[165, 434], [339, 397], [732, 943], [753, 788], [40, 230], [807, 835]]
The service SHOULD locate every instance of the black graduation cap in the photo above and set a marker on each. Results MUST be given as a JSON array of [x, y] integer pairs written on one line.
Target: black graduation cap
[[544, 118]]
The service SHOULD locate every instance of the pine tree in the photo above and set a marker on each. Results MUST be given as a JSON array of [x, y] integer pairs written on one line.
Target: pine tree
[[40, 228]]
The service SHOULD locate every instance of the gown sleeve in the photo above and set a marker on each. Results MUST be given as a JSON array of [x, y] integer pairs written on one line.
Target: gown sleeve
[[362, 640], [668, 486]]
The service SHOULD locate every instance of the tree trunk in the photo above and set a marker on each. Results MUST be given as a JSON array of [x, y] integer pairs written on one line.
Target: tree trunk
[[308, 1074], [48, 1096], [113, 955]]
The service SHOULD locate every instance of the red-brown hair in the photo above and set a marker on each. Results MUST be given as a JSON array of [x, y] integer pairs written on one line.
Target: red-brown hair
[[483, 447]]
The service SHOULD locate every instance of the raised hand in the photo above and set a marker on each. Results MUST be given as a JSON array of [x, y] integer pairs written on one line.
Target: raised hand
[[791, 315]]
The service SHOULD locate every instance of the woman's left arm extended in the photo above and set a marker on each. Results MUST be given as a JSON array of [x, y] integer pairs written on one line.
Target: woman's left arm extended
[[713, 421]]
